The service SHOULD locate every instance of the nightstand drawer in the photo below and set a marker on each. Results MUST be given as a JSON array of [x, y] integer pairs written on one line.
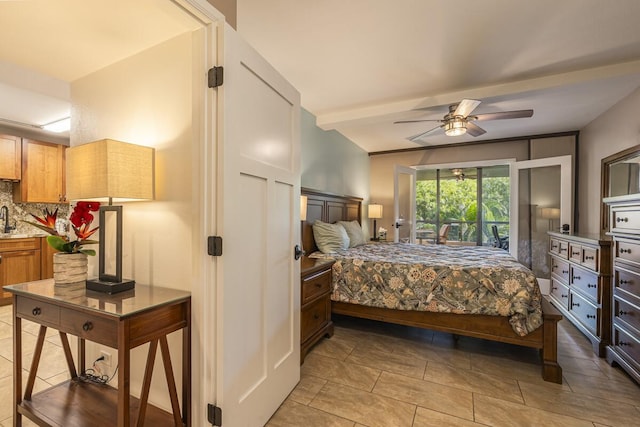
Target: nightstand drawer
[[314, 316], [316, 285], [38, 311], [93, 328], [585, 312]]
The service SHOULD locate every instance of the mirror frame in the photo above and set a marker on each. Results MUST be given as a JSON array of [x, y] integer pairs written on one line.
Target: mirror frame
[[604, 181]]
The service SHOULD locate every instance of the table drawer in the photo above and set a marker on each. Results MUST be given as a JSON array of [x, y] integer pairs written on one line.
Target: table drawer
[[560, 293], [38, 311], [90, 327], [585, 312], [627, 312], [586, 281], [316, 285], [314, 317], [627, 281], [627, 251], [627, 343], [625, 219], [561, 269]]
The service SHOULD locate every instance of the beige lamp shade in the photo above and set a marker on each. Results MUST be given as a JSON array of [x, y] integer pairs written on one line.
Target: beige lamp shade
[[375, 211], [109, 169], [550, 213], [303, 208]]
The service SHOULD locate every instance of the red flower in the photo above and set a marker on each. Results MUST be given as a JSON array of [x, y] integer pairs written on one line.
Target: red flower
[[49, 219]]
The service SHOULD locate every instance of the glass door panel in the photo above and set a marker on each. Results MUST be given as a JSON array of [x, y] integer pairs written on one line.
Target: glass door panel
[[404, 204]]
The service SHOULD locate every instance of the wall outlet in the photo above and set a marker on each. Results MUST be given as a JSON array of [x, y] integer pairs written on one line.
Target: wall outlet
[[107, 357]]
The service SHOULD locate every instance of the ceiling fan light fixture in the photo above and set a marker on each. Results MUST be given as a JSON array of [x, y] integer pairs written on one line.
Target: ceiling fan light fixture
[[455, 127]]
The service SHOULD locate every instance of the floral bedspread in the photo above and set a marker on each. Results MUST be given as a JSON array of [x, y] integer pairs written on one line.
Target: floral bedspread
[[440, 278]]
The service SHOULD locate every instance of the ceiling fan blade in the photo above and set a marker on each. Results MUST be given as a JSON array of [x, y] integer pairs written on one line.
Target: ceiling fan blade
[[465, 107], [420, 135], [415, 121], [518, 114], [474, 130]]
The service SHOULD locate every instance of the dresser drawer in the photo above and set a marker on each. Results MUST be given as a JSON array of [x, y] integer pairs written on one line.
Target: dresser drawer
[[314, 317], [585, 312], [627, 312], [554, 246], [90, 327], [575, 252], [560, 293], [590, 257], [560, 268], [315, 285], [38, 311], [627, 281], [627, 343], [627, 251], [625, 219], [586, 281]]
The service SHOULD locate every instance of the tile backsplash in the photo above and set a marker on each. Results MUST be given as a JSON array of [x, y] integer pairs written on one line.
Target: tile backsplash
[[22, 211]]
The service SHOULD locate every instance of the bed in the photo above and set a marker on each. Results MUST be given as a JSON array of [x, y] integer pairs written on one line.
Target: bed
[[532, 326]]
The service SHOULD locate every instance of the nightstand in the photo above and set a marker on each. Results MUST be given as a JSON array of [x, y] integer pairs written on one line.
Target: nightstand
[[315, 304]]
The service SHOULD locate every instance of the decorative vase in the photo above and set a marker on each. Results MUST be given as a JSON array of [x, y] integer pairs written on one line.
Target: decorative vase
[[69, 268]]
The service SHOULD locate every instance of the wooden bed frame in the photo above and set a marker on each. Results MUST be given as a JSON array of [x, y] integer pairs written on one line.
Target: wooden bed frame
[[331, 208]]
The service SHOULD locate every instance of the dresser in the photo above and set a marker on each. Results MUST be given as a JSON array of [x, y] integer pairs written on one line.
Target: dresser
[[581, 284], [625, 341], [315, 304], [122, 321]]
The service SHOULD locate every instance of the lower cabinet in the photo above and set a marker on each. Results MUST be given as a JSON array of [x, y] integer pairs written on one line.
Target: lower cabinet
[[20, 261], [315, 303]]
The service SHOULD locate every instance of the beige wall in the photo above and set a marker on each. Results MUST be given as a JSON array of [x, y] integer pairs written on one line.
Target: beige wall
[[147, 100], [614, 131]]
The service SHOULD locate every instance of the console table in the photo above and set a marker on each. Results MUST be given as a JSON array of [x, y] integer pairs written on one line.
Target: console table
[[122, 321]]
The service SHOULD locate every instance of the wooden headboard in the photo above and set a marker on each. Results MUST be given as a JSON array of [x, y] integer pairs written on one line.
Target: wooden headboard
[[327, 208]]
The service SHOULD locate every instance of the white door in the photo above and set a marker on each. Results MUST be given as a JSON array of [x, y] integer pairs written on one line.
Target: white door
[[541, 195], [404, 204], [258, 295]]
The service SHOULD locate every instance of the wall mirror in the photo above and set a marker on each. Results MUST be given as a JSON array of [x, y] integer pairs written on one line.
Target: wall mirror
[[620, 177]]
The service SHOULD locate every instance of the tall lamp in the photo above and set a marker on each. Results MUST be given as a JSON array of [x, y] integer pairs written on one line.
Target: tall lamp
[[109, 170], [375, 213], [550, 214]]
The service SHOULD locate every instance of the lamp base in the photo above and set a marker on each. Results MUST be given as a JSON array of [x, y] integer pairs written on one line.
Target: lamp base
[[110, 287]]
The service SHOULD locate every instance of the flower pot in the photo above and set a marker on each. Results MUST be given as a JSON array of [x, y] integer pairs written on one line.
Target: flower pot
[[69, 268]]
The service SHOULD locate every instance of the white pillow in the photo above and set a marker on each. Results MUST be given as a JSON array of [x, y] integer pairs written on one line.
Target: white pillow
[[356, 235], [330, 237]]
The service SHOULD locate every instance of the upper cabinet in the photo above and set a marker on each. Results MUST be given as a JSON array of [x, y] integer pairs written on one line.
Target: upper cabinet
[[10, 158], [43, 173]]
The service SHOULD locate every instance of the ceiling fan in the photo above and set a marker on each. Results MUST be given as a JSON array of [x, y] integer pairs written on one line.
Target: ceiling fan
[[458, 120]]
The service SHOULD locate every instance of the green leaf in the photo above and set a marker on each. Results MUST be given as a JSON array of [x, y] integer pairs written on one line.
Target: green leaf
[[57, 243], [90, 252]]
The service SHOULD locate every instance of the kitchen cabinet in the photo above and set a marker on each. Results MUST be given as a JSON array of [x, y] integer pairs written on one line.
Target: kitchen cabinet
[[19, 262], [46, 259], [10, 158], [43, 173]]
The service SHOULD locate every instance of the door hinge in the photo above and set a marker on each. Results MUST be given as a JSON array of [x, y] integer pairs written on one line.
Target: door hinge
[[214, 414], [214, 245], [215, 76]]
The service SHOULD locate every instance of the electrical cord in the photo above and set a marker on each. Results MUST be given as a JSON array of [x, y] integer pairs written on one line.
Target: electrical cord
[[91, 376]]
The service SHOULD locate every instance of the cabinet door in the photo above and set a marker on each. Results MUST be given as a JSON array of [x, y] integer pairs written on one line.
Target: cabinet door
[[43, 174], [10, 157], [18, 267]]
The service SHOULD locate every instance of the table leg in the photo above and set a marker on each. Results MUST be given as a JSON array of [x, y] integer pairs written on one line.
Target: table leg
[[124, 372], [35, 361], [146, 383], [67, 355], [171, 382]]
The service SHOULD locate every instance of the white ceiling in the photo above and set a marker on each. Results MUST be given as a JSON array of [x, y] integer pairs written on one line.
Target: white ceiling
[[362, 64], [47, 44], [359, 64]]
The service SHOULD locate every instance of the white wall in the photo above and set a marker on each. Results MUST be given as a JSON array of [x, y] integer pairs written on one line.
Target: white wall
[[614, 131], [148, 99]]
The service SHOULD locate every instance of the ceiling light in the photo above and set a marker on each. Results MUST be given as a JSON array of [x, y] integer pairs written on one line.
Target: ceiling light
[[455, 127], [62, 125]]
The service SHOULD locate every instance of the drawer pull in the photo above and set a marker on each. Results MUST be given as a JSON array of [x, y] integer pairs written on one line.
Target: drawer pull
[[589, 258], [563, 250], [554, 288], [575, 304], [591, 316], [554, 267], [576, 277], [625, 219], [563, 296], [625, 282], [36, 311], [592, 286], [622, 313], [554, 246], [318, 285], [575, 253], [565, 271], [623, 343], [87, 326], [625, 251], [316, 316]]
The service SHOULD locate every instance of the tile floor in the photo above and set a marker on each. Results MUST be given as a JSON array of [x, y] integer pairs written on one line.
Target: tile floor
[[372, 374]]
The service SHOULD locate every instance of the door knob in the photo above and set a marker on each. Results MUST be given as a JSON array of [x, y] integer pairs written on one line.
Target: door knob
[[297, 252]]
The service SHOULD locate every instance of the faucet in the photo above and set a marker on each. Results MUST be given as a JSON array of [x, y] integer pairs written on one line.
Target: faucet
[[4, 214]]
